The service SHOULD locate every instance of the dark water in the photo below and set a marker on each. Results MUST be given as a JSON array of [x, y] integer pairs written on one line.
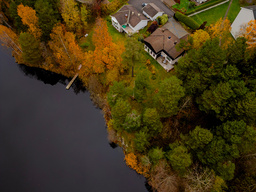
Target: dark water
[[53, 140]]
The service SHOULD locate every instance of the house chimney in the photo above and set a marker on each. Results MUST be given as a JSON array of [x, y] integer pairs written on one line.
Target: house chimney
[[138, 14], [132, 13], [175, 42], [126, 16]]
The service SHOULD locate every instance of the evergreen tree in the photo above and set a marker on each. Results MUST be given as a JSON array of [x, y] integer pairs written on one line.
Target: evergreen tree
[[47, 17], [31, 50]]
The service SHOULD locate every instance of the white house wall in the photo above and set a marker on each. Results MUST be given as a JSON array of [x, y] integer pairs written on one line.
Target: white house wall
[[150, 52], [140, 25], [243, 17], [157, 15], [116, 24]]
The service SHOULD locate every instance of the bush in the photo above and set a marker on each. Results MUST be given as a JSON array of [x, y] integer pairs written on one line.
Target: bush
[[162, 19], [187, 20]]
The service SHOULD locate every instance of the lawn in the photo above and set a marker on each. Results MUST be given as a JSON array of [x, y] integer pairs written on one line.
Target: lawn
[[214, 14], [185, 4]]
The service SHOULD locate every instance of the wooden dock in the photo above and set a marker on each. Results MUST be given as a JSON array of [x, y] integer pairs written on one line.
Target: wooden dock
[[71, 82], [74, 78]]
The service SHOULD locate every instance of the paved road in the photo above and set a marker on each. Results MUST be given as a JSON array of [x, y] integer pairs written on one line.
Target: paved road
[[158, 3]]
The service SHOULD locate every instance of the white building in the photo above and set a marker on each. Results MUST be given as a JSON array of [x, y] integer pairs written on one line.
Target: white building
[[151, 11], [128, 20], [245, 15]]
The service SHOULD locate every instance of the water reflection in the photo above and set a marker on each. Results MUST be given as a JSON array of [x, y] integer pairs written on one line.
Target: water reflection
[[48, 77]]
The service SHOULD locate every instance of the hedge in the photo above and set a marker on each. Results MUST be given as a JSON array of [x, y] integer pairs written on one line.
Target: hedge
[[204, 6], [187, 20]]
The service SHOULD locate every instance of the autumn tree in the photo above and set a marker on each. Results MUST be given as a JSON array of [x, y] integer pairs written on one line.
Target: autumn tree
[[199, 38], [70, 15], [66, 51], [249, 33], [10, 39], [107, 55], [47, 17], [221, 29], [31, 50], [29, 18]]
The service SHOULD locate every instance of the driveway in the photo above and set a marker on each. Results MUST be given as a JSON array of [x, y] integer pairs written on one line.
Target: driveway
[[158, 3]]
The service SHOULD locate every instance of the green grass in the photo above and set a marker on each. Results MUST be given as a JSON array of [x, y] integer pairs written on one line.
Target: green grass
[[185, 4], [214, 14]]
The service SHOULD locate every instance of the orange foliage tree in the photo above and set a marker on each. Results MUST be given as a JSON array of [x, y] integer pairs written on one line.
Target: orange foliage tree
[[29, 18], [10, 39], [250, 34], [66, 52], [132, 161], [107, 55], [221, 29]]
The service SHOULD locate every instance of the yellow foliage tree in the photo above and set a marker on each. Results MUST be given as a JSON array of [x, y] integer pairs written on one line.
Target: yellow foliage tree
[[66, 52], [199, 38], [70, 15], [250, 34], [29, 18], [221, 29], [132, 161]]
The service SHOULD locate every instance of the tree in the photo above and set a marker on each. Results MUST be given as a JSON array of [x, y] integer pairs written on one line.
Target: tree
[[250, 34], [107, 55], [119, 113], [10, 39], [141, 141], [179, 158], [198, 138], [221, 29], [132, 54], [70, 15], [239, 133], [15, 17], [226, 170], [47, 17], [132, 121], [170, 92], [29, 18], [199, 38], [85, 15], [30, 49], [200, 68], [155, 154], [116, 91], [66, 51], [151, 121], [142, 85]]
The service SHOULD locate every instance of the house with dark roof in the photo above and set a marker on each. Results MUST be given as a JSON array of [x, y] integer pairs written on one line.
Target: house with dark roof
[[128, 20], [161, 45], [151, 11], [245, 15]]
